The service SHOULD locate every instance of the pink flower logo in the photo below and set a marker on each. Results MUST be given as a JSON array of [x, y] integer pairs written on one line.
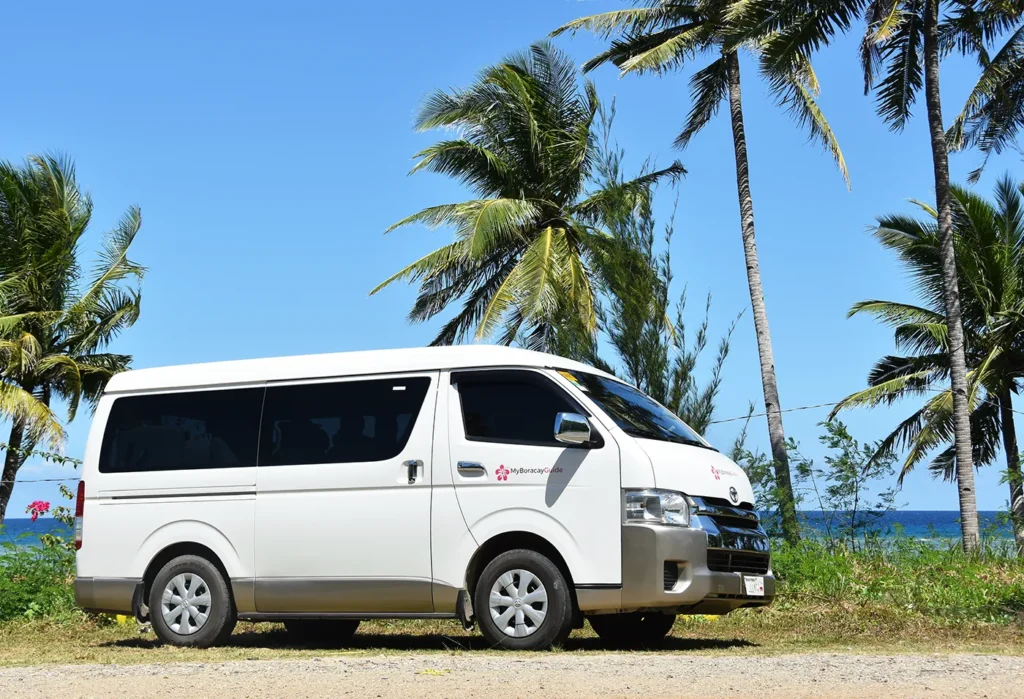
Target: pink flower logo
[[501, 472], [716, 474], [37, 508]]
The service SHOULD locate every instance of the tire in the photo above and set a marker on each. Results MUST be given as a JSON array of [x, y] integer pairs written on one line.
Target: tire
[[210, 610], [633, 629], [321, 633], [549, 619]]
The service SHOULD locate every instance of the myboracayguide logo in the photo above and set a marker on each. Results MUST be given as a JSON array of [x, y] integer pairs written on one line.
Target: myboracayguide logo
[[503, 472]]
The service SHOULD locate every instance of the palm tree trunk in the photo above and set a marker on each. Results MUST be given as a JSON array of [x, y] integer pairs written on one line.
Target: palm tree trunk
[[776, 435], [1013, 474], [12, 461], [957, 361]]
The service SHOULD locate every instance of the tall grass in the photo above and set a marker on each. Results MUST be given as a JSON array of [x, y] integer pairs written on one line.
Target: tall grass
[[905, 578]]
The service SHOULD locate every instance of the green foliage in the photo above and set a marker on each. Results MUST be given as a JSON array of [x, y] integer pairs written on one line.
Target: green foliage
[[989, 240], [843, 489], [905, 579], [847, 491], [524, 247], [37, 582], [668, 35], [57, 319]]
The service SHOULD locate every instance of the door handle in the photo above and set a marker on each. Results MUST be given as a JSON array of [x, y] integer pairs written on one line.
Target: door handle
[[471, 468], [413, 466]]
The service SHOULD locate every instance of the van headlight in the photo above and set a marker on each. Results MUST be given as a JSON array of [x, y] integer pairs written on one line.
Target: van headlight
[[655, 506]]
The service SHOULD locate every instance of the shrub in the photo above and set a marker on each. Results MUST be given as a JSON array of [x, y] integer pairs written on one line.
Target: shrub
[[37, 582]]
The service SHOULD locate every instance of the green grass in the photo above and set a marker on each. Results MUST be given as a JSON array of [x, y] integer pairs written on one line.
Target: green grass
[[905, 581]]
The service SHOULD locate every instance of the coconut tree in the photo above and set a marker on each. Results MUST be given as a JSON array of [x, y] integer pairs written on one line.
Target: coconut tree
[[994, 112], [666, 35], [524, 142], [989, 242], [900, 53], [57, 319]]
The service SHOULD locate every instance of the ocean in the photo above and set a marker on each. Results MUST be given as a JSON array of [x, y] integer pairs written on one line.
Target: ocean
[[937, 525]]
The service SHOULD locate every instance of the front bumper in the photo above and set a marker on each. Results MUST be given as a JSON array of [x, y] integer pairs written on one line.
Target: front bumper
[[646, 552]]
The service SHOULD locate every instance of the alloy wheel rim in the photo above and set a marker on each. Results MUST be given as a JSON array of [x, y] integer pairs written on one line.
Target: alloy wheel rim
[[518, 603], [186, 604]]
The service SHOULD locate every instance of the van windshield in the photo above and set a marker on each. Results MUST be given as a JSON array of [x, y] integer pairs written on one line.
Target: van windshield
[[633, 411]]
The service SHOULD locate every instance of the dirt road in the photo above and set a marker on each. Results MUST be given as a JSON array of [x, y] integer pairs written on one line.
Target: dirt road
[[547, 674]]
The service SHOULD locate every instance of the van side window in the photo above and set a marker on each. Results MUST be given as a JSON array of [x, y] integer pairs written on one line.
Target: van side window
[[191, 430], [515, 407], [343, 422]]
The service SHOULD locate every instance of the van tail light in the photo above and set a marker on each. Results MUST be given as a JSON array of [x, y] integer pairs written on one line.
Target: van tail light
[[79, 514]]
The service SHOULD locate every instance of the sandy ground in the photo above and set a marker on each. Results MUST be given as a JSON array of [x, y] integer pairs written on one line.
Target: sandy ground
[[546, 674]]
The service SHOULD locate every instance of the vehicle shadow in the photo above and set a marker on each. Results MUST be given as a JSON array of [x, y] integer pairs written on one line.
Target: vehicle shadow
[[279, 639]]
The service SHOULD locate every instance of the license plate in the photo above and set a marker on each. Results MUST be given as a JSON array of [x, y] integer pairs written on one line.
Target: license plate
[[754, 585]]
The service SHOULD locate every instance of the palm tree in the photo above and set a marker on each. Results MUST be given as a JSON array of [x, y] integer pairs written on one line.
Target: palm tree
[[523, 250], [904, 41], [57, 320], [989, 241], [671, 34], [994, 112]]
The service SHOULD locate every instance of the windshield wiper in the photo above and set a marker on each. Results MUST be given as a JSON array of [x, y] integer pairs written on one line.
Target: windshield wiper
[[662, 437], [691, 442]]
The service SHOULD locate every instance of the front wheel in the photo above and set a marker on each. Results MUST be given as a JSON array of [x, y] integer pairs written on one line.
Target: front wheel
[[633, 629], [523, 602]]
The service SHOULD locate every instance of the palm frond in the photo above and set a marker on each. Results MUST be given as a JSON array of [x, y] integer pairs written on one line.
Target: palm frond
[[708, 89], [795, 90], [633, 20], [900, 51]]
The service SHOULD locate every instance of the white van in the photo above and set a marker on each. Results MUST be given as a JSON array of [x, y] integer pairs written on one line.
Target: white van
[[517, 489]]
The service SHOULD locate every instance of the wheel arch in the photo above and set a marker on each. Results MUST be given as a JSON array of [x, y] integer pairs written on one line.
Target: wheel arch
[[509, 541], [182, 548]]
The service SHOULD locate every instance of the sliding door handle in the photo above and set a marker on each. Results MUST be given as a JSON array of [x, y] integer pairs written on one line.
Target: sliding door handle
[[471, 468]]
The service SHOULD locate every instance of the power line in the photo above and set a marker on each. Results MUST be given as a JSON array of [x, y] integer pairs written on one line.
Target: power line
[[787, 410], [829, 405]]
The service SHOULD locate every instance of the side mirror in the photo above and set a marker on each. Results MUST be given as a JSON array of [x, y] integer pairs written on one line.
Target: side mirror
[[572, 428]]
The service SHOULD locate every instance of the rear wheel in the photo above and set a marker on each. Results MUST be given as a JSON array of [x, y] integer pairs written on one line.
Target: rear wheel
[[522, 602], [633, 629], [190, 603], [321, 633]]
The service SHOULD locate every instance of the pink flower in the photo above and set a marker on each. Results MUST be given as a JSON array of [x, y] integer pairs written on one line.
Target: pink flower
[[36, 508], [501, 472]]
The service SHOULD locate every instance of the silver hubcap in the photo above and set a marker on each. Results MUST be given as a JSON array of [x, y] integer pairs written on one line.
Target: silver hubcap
[[186, 604], [518, 603]]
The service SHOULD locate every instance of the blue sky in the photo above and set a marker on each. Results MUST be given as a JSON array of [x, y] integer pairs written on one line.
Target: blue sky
[[268, 146]]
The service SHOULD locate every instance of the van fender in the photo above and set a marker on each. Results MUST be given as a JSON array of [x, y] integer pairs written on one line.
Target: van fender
[[537, 522], [184, 532]]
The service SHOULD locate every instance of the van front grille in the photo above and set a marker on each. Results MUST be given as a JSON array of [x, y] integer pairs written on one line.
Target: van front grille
[[727, 561], [671, 575]]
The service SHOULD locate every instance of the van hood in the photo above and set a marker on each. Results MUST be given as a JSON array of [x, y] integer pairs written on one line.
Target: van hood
[[696, 471]]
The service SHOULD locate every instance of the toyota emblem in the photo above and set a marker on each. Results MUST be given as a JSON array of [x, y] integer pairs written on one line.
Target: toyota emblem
[[734, 495]]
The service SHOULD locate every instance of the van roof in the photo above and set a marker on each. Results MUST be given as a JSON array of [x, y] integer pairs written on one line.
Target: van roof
[[314, 366]]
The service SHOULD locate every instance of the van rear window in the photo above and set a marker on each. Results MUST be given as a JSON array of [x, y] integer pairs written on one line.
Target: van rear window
[[182, 431]]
